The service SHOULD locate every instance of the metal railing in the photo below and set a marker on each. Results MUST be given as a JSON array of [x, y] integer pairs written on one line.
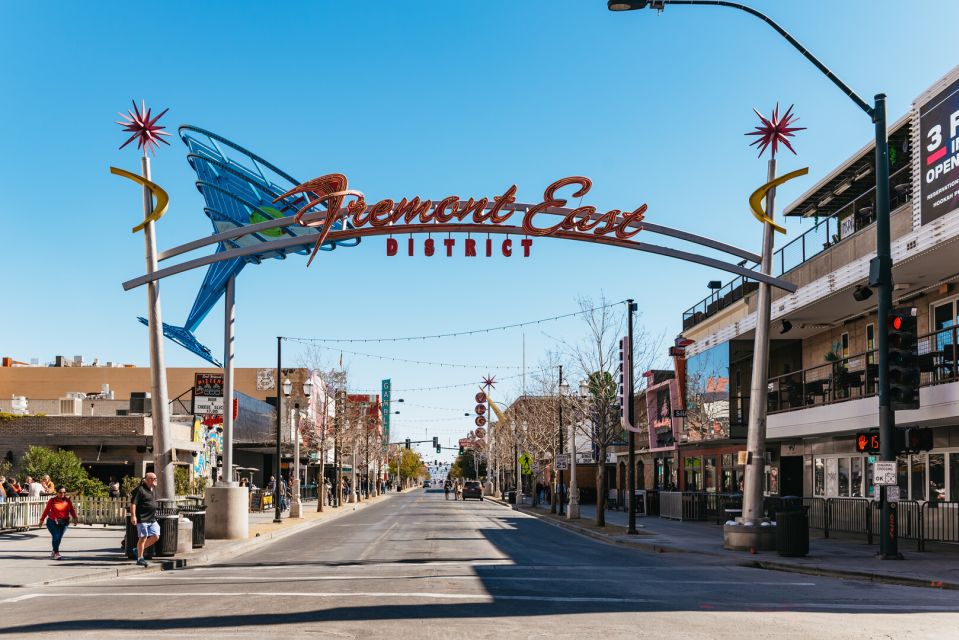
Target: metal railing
[[856, 376], [23, 513], [860, 214], [697, 505]]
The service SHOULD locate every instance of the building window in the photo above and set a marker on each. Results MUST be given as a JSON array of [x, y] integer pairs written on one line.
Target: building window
[[819, 477], [710, 473], [844, 345], [843, 477], [856, 475], [937, 477], [693, 474]]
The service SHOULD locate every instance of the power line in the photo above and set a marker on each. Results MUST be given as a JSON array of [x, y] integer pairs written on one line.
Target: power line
[[462, 333], [423, 362], [477, 383]]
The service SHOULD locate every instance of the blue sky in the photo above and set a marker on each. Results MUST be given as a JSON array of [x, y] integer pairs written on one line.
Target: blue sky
[[406, 98]]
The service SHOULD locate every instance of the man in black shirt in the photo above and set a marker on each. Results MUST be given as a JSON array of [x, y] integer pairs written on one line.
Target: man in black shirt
[[143, 509]]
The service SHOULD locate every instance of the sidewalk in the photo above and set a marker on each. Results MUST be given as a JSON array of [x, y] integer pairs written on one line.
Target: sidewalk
[[843, 558], [93, 551]]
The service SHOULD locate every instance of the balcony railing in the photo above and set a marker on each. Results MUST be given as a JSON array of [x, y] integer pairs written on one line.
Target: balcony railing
[[856, 376], [853, 217]]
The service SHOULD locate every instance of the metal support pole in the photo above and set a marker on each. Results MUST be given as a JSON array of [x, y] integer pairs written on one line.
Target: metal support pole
[[756, 433], [277, 514], [572, 511], [630, 417], [556, 504], [296, 507], [889, 531], [229, 318], [160, 412]]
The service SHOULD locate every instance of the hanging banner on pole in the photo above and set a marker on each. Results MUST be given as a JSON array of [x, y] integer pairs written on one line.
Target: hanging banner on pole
[[385, 386]]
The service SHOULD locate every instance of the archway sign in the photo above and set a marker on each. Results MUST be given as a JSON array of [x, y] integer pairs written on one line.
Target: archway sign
[[328, 206]]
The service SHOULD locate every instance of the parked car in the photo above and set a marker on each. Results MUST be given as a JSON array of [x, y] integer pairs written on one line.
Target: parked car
[[472, 489]]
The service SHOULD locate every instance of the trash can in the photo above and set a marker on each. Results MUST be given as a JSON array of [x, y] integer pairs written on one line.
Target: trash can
[[197, 515], [792, 532], [511, 497], [167, 517]]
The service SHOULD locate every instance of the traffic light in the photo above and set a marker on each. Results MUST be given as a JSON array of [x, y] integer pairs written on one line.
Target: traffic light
[[867, 441], [903, 359], [917, 440], [438, 449], [407, 443], [436, 442], [462, 450], [625, 382]]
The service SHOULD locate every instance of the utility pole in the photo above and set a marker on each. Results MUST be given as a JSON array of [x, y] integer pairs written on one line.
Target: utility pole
[[558, 494], [630, 418]]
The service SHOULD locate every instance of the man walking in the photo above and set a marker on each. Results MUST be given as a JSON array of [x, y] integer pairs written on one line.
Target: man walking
[[143, 510]]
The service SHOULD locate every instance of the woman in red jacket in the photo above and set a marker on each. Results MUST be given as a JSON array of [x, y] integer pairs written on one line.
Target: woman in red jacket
[[60, 510]]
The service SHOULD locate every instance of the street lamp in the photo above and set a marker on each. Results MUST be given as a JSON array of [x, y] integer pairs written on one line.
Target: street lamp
[[563, 393], [296, 506], [277, 514], [880, 278], [572, 512]]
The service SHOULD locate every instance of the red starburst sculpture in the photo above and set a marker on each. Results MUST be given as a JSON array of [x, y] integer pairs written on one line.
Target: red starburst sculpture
[[775, 130], [144, 128], [489, 382]]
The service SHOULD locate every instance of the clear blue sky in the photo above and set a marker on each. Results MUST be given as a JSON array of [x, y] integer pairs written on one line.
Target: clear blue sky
[[431, 98]]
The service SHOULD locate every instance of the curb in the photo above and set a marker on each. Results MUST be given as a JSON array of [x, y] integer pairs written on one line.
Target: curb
[[850, 575], [199, 557], [753, 564]]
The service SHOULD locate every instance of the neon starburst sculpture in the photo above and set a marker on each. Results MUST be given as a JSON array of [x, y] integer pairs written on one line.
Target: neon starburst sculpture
[[144, 128], [774, 130], [489, 382]]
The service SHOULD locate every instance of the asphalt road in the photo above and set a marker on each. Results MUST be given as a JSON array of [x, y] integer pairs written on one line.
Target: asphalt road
[[418, 566]]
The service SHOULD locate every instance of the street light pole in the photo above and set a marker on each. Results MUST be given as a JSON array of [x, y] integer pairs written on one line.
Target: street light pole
[[277, 516], [631, 435], [563, 392], [572, 511], [880, 267]]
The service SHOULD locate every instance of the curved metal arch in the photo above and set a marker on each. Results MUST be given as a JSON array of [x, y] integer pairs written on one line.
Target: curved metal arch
[[461, 228]]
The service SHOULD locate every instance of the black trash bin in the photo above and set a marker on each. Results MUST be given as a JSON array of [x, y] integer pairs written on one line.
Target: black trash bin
[[792, 532], [511, 497], [168, 516], [197, 515]]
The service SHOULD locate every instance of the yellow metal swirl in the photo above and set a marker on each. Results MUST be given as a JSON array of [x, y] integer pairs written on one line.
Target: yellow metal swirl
[[756, 199], [162, 199]]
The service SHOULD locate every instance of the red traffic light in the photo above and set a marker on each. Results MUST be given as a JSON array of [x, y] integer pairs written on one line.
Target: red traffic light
[[896, 323]]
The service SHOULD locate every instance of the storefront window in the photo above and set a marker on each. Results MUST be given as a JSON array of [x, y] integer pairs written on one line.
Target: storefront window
[[832, 477], [710, 473], [729, 473], [918, 468], [902, 475], [819, 477], [937, 477], [693, 474], [843, 477], [953, 477], [856, 478]]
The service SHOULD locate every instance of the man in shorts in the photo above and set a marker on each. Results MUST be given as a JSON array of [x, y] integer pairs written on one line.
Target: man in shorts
[[143, 514]]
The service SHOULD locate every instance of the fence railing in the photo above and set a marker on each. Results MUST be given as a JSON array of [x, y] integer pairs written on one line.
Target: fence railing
[[24, 513]]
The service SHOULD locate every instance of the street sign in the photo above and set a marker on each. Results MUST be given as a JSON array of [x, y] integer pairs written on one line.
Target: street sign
[[562, 462], [884, 473], [679, 413], [480, 397], [480, 421], [526, 464], [466, 443]]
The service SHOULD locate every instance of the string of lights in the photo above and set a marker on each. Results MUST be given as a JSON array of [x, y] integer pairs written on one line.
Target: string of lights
[[416, 420], [408, 361], [461, 333], [427, 406], [475, 383]]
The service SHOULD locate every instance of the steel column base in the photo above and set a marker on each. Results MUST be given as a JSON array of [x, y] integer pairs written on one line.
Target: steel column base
[[738, 537]]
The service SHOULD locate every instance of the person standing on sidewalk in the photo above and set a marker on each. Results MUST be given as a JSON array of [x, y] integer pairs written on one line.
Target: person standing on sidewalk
[[143, 515], [59, 509]]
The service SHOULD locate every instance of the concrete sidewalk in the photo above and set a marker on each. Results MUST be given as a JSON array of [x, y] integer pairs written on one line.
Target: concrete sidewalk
[[844, 558], [94, 552]]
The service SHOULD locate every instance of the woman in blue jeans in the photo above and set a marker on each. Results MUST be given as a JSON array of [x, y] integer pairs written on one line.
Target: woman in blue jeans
[[60, 510]]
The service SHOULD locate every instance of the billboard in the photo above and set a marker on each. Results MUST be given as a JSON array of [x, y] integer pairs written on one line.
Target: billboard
[[385, 387], [938, 151]]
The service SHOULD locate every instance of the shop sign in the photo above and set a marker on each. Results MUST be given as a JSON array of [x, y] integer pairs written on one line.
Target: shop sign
[[939, 154], [208, 394], [480, 397], [452, 214]]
